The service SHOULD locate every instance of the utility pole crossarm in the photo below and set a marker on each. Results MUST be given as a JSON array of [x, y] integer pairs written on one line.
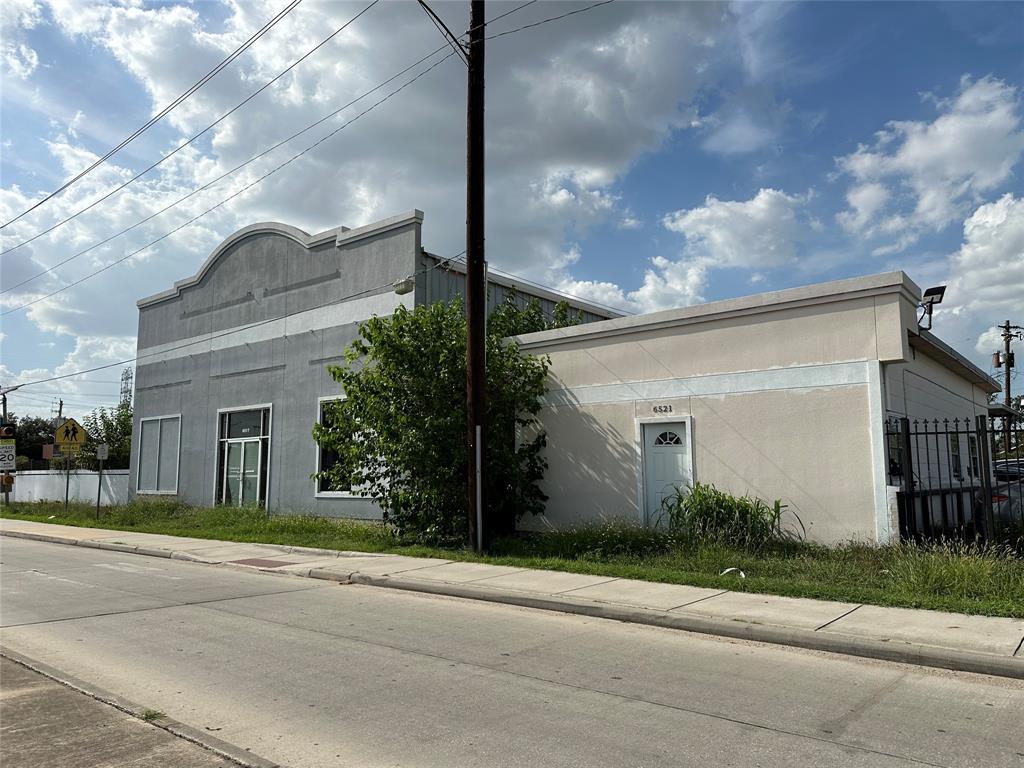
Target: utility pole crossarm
[[453, 41]]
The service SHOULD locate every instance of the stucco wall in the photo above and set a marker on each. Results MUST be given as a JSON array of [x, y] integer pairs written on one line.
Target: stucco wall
[[281, 363], [786, 403], [808, 447], [277, 291]]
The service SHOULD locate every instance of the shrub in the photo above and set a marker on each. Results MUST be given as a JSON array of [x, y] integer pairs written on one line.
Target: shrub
[[703, 514], [400, 431]]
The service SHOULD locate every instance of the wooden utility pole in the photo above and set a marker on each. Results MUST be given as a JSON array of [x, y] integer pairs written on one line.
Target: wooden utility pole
[[1010, 332], [1007, 401], [476, 289]]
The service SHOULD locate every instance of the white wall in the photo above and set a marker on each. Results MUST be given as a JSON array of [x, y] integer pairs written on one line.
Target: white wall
[[49, 486]]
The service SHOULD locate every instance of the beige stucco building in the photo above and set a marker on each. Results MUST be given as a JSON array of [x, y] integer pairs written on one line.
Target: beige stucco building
[[783, 395]]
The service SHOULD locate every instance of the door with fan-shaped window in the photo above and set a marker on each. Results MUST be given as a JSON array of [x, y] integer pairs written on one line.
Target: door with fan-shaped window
[[667, 466]]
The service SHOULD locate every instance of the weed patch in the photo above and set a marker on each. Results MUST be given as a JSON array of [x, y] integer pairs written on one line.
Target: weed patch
[[945, 576]]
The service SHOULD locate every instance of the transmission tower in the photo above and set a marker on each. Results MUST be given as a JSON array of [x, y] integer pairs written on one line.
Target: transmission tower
[[127, 377]]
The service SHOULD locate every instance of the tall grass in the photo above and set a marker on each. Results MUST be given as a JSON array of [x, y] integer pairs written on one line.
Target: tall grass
[[703, 514], [696, 548]]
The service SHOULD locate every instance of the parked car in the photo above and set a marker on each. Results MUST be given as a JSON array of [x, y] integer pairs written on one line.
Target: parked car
[[1008, 469], [1007, 504]]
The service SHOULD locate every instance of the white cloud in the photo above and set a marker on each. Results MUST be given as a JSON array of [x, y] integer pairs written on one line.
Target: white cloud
[[985, 276], [737, 134], [761, 232], [20, 59], [865, 201], [921, 176], [571, 107]]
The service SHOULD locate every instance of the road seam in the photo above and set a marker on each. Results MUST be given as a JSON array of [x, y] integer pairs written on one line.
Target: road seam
[[498, 670], [224, 749], [1011, 666], [837, 618], [849, 645]]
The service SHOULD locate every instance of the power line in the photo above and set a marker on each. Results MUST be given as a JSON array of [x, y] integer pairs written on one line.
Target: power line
[[552, 18], [272, 171], [247, 187], [224, 175], [439, 265], [508, 13], [535, 284], [101, 395], [180, 147], [163, 112], [238, 167]]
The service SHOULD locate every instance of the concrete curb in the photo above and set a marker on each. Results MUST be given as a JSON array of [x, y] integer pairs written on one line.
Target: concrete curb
[[188, 733], [906, 653], [884, 650]]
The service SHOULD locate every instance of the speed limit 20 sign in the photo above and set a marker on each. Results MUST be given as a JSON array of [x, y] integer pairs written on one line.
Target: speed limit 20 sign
[[7, 453]]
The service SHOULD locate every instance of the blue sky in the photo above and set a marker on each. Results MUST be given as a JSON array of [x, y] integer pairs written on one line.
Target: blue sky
[[643, 155]]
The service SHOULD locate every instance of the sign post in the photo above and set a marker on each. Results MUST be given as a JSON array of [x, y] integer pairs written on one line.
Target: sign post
[[102, 452], [8, 451], [70, 437]]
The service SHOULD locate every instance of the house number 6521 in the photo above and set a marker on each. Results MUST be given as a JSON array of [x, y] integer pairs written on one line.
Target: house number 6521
[[662, 409]]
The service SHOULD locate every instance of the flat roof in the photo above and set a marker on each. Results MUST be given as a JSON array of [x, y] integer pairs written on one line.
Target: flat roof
[[819, 293], [937, 349], [529, 288]]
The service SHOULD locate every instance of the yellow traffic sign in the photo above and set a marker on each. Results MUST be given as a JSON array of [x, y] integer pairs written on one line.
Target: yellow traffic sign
[[70, 433]]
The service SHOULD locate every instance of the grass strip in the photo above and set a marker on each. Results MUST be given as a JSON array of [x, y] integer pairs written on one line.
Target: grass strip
[[942, 576]]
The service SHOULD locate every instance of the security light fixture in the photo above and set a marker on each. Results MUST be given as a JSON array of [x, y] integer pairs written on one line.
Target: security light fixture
[[934, 295], [405, 285], [931, 297]]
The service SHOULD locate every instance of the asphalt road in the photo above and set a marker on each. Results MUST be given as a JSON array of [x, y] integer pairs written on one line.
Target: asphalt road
[[308, 673]]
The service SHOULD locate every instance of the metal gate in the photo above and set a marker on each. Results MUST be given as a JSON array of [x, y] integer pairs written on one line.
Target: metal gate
[[958, 478]]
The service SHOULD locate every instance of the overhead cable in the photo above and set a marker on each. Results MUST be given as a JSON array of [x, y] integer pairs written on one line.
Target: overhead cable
[[238, 167], [186, 143], [162, 113], [230, 197], [224, 175], [443, 264]]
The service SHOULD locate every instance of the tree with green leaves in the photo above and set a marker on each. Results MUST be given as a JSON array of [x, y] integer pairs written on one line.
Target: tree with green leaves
[[398, 432], [112, 426], [32, 433]]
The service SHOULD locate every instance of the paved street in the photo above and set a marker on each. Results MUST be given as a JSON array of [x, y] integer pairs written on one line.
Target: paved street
[[311, 673], [48, 725]]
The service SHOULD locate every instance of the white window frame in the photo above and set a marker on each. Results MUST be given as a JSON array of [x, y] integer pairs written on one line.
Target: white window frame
[[177, 457], [270, 444], [956, 468], [317, 493]]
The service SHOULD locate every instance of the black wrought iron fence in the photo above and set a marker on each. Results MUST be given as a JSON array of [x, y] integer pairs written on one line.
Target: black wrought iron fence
[[958, 478]]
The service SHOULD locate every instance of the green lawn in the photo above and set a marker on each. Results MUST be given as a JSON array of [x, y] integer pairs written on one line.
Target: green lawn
[[939, 577]]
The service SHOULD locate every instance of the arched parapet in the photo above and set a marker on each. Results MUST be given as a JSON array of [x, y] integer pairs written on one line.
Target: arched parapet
[[262, 228]]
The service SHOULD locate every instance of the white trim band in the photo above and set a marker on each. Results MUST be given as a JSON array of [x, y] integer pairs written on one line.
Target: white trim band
[[802, 377], [331, 316]]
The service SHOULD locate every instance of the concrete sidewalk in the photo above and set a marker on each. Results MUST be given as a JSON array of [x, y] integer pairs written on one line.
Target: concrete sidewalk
[[979, 644], [49, 725]]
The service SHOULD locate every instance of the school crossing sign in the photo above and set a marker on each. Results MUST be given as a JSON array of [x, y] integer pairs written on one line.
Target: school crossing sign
[[70, 437]]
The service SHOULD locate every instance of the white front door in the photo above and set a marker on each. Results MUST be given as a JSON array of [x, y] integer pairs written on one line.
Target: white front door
[[666, 466]]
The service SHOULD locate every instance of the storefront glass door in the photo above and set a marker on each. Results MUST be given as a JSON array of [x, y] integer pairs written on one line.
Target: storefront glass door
[[242, 472]]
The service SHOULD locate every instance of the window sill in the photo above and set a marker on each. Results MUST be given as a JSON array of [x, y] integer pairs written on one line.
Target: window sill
[[156, 493], [337, 495]]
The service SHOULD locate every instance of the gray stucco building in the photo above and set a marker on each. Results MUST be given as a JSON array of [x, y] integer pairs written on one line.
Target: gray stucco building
[[232, 362]]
